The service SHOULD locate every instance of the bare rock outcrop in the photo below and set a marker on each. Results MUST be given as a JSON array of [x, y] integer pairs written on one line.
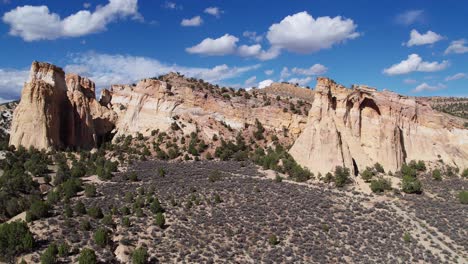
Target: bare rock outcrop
[[154, 104], [37, 118], [360, 126], [58, 111]]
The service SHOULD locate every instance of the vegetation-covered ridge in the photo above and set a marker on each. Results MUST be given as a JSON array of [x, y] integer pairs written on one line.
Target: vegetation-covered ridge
[[456, 106]]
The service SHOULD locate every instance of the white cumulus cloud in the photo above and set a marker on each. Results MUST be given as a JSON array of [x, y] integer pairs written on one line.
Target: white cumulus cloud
[[37, 22], [457, 46], [414, 63], [301, 81], [215, 47], [316, 69], [269, 72], [302, 33], [192, 22], [426, 87], [106, 69], [11, 83], [250, 51], [417, 39], [265, 83]]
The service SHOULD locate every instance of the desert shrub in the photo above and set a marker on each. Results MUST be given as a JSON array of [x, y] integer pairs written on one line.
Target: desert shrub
[[87, 256], [126, 221], [367, 174], [38, 210], [95, 212], [341, 176], [156, 207], [407, 237], [421, 166], [80, 208], [408, 170], [328, 178], [258, 133], [379, 168], [140, 256], [411, 184], [78, 169], [67, 210], [125, 210], [133, 176], [436, 175], [162, 172], [278, 178], [53, 197], [90, 190], [215, 175], [380, 185], [50, 255], [465, 173], [85, 225], [217, 199], [71, 187], [463, 197], [107, 220], [160, 220], [15, 238], [101, 237], [63, 249], [138, 212], [449, 171], [128, 197], [273, 240]]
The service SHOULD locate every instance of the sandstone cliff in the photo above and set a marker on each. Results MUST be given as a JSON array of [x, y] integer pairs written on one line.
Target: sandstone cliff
[[37, 118], [329, 126], [156, 104], [57, 111], [358, 127]]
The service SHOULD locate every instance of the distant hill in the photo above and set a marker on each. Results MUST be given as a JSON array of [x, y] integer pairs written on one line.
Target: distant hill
[[456, 106]]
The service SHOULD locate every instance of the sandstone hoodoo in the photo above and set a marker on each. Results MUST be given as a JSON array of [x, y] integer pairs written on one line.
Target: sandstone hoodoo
[[360, 126], [57, 111]]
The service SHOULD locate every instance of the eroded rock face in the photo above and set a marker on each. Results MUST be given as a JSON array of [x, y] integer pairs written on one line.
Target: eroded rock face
[[37, 118], [155, 104], [358, 127], [58, 111]]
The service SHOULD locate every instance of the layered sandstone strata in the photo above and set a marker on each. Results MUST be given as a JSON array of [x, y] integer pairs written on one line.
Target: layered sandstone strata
[[360, 126], [155, 104]]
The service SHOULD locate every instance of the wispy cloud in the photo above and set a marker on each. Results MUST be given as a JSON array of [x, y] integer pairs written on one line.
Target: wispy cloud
[[410, 17]]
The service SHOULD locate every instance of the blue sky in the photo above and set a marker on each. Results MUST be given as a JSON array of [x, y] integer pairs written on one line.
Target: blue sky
[[412, 47]]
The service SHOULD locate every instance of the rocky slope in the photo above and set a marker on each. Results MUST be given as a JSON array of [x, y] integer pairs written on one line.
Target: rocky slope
[[358, 127], [6, 117], [456, 106]]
